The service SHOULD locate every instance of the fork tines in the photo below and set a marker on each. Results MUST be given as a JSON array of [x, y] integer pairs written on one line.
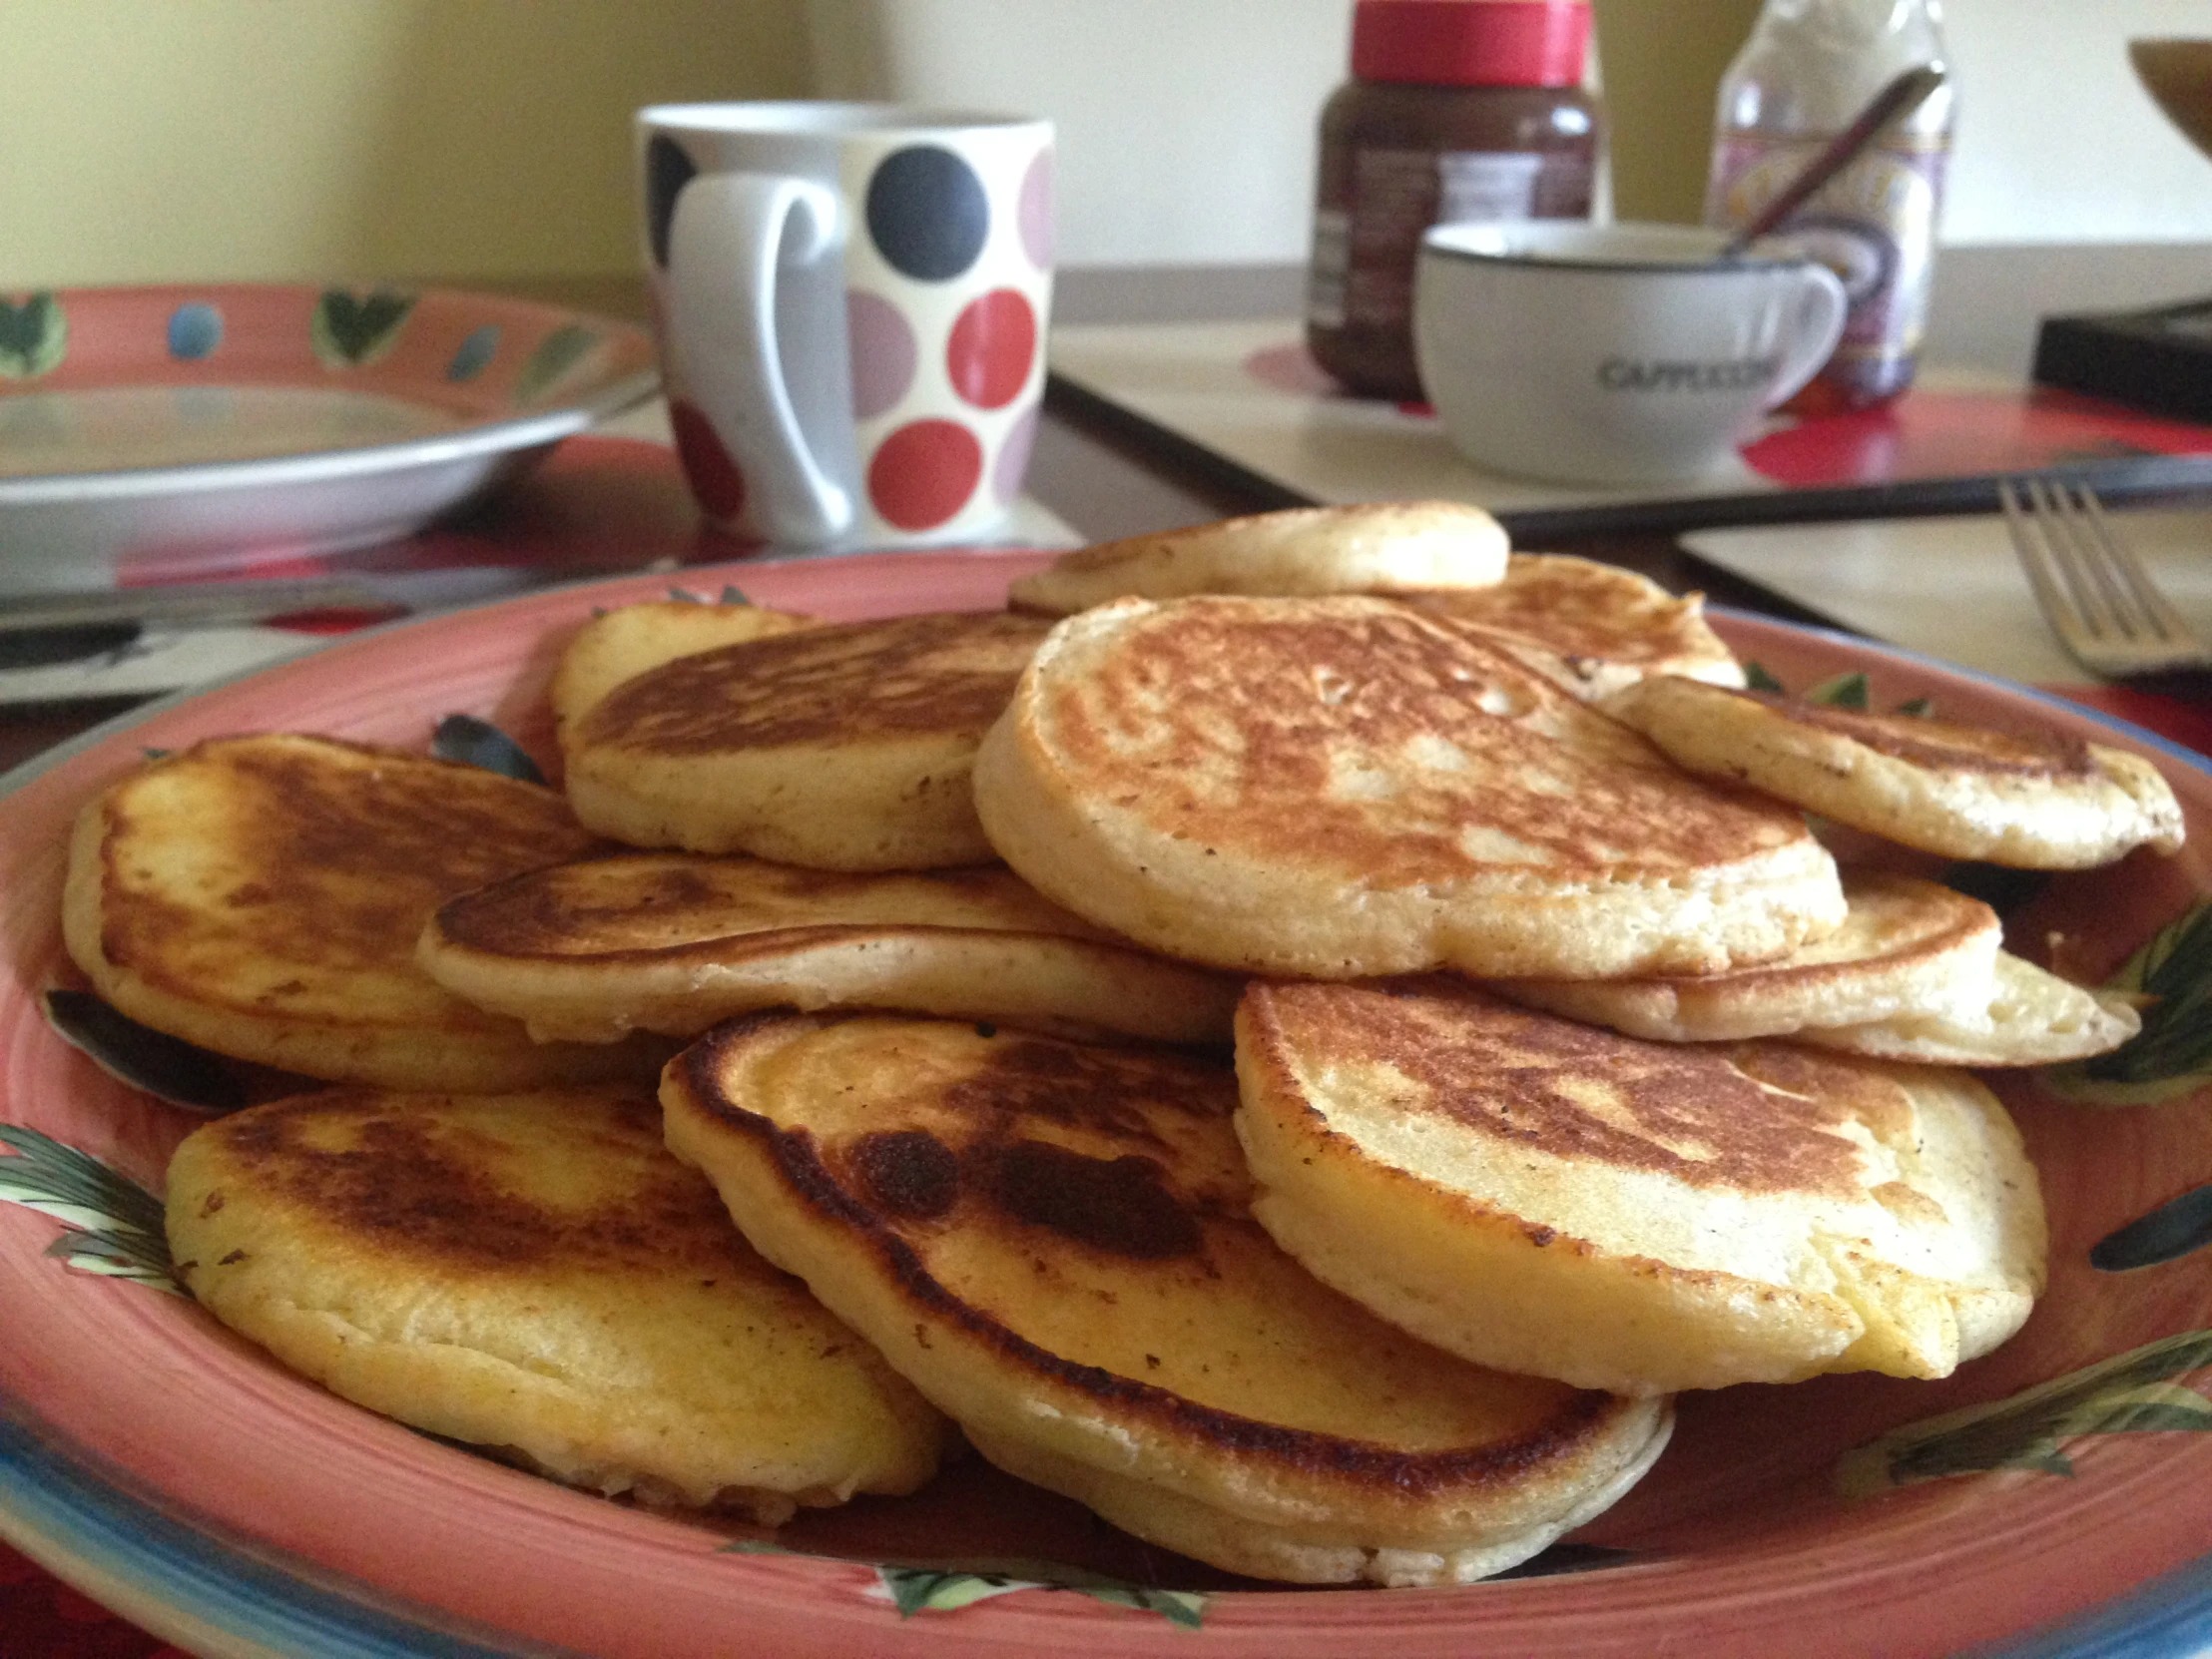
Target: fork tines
[[2094, 590]]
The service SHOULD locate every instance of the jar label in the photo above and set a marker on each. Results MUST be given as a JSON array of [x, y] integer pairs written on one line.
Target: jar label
[[1325, 277], [1363, 267], [1874, 224], [1475, 184]]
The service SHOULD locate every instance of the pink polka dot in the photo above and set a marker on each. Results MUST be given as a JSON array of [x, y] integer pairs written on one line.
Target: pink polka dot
[[1013, 458], [923, 473], [883, 354], [1035, 213], [715, 477], [993, 348]]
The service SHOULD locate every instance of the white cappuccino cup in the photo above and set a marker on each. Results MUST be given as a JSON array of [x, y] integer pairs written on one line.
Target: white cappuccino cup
[[1613, 353]]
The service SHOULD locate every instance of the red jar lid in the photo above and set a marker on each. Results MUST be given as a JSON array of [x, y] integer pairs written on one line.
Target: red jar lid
[[1471, 43]]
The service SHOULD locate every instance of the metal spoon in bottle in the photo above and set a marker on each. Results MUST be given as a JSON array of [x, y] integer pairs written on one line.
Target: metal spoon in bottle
[[1893, 103]]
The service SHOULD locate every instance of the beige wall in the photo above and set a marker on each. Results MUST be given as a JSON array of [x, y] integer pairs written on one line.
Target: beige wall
[[143, 139], [1662, 68], [457, 139]]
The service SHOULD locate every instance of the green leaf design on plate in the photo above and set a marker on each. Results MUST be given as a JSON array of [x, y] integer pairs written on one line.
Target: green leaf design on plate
[[2129, 1394], [2172, 1055], [350, 332], [921, 1591], [940, 1586], [1186, 1609], [1845, 691], [34, 337], [478, 742], [1841, 691], [113, 1226], [2177, 1228], [555, 355]]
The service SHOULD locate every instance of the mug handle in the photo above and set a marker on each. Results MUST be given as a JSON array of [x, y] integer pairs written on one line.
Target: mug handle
[[743, 248], [1818, 325]]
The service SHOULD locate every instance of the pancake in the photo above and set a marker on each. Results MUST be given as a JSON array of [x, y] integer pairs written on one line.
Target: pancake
[[2030, 1018], [1378, 547], [2032, 800], [1550, 1197], [1053, 1243], [261, 896], [1340, 788], [1611, 626], [1907, 948], [535, 1274], [625, 642], [836, 747], [674, 942]]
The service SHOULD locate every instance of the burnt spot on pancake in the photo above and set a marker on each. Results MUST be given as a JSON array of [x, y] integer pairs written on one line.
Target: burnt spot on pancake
[[1921, 741], [945, 672], [1119, 1204], [1749, 1117], [909, 1173], [1399, 750], [399, 1180], [1103, 1091], [1560, 1424]]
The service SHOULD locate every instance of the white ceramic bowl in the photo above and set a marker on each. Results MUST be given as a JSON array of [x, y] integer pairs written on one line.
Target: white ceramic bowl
[[1612, 355]]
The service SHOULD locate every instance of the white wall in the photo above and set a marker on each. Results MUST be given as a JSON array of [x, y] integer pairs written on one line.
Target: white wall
[[2058, 142], [1187, 127]]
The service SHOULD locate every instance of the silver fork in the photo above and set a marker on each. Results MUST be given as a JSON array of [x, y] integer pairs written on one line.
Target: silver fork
[[2094, 590]]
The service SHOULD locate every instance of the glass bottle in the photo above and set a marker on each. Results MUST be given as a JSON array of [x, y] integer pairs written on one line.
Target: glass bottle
[[1456, 110], [1809, 67]]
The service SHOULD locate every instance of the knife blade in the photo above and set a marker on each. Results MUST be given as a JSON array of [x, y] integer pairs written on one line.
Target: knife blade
[[210, 604]]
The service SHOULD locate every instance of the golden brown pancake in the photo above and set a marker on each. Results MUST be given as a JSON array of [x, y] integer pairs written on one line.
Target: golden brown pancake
[[2030, 1017], [1372, 547], [625, 642], [1909, 949], [840, 748], [676, 941], [535, 1274], [1547, 1197], [2031, 800], [1338, 788], [1052, 1241], [1609, 626], [261, 896]]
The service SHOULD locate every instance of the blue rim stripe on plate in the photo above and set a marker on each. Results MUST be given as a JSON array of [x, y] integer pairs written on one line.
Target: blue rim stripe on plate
[[2169, 1618], [63, 1505]]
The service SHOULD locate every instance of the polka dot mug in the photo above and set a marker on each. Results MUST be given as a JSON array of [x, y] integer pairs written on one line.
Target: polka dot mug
[[851, 303]]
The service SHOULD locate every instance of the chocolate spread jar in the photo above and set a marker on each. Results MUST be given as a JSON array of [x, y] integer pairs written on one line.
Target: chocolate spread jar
[[1458, 110]]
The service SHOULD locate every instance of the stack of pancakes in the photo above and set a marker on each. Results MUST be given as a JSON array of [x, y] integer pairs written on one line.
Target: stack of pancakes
[[1305, 1054]]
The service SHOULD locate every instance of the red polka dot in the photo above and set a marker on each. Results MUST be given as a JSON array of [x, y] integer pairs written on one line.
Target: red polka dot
[[924, 472], [993, 344], [714, 476]]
